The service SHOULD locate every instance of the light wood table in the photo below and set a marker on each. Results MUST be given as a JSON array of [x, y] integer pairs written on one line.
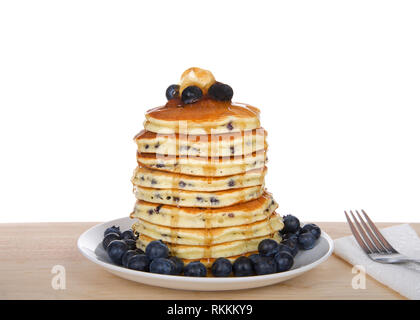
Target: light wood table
[[28, 252]]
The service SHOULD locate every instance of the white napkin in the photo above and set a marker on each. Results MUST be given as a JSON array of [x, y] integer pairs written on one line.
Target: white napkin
[[404, 278]]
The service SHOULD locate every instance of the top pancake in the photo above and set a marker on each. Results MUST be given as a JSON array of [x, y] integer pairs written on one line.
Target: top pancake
[[206, 116]]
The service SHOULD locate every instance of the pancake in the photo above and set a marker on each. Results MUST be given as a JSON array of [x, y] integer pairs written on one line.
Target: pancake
[[178, 217], [200, 199], [189, 236], [225, 249], [203, 166], [159, 179], [205, 116], [227, 144]]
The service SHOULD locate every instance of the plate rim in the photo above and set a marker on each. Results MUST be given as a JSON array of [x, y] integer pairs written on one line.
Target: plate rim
[[224, 280]]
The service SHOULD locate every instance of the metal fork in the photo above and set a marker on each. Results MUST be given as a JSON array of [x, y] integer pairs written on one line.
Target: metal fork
[[373, 242]]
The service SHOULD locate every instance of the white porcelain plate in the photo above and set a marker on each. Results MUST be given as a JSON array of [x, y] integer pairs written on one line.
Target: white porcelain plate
[[90, 245]]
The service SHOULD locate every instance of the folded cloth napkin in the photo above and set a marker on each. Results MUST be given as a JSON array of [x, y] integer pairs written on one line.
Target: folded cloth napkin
[[403, 278]]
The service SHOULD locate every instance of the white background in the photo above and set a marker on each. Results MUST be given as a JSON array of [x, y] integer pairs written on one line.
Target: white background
[[337, 83]]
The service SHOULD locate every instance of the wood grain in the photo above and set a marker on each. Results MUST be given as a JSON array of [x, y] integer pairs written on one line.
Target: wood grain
[[28, 252]]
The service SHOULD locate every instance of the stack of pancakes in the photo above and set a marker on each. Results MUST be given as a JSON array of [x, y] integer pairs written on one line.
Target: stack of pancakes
[[199, 183]]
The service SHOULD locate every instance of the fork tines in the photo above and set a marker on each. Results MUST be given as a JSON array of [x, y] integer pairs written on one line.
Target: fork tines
[[367, 234]]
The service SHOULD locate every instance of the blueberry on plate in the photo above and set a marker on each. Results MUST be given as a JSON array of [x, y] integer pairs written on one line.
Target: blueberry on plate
[[179, 265], [157, 249], [291, 224], [222, 267], [283, 247], [313, 228], [113, 229], [268, 247], [254, 257], [130, 243], [191, 94], [292, 245], [128, 234], [116, 250], [108, 238], [126, 256], [195, 269], [139, 262], [265, 265], [139, 251], [284, 261], [242, 267], [290, 236], [172, 91], [162, 266], [221, 91], [306, 241]]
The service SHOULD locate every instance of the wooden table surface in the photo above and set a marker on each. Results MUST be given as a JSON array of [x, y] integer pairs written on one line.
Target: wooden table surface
[[29, 251]]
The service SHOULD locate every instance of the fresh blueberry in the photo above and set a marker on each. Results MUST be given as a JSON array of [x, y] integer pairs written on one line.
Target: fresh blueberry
[[284, 261], [157, 249], [195, 269], [242, 267], [292, 245], [222, 267], [139, 251], [172, 91], [306, 241], [313, 228], [139, 262], [130, 243], [291, 224], [283, 247], [268, 248], [113, 229], [290, 236], [265, 265], [116, 250], [128, 234], [191, 94], [126, 256], [179, 265], [108, 238], [162, 266], [254, 257], [220, 91]]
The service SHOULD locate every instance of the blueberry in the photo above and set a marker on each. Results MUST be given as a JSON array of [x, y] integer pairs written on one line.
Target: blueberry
[[172, 91], [126, 256], [268, 248], [220, 91], [108, 238], [290, 236], [265, 265], [242, 267], [139, 251], [179, 265], [291, 224], [195, 269], [284, 261], [292, 245], [116, 250], [157, 249], [254, 257], [313, 228], [139, 262], [283, 247], [162, 266], [222, 267], [113, 229], [128, 234], [191, 94], [131, 244], [306, 241]]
